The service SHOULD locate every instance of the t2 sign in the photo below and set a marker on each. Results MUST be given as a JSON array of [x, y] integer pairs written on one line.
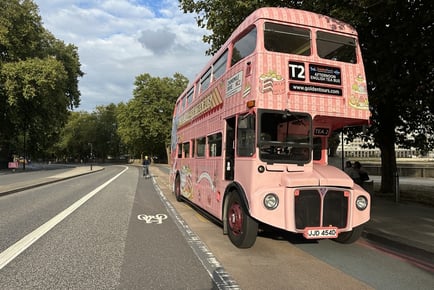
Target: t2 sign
[[296, 71], [321, 131]]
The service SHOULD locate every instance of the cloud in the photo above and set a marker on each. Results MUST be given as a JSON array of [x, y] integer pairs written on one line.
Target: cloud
[[158, 41], [118, 40]]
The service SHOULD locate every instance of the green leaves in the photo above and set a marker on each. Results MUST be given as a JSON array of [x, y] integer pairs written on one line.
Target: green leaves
[[34, 79], [38, 80], [145, 121]]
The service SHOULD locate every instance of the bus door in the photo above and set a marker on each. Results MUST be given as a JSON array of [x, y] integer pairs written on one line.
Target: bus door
[[230, 149]]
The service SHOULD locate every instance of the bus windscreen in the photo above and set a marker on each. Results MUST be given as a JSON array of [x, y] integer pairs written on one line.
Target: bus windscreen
[[285, 137]]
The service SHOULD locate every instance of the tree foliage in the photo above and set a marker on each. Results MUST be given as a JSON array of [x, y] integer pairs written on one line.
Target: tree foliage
[[396, 40], [39, 81], [85, 132], [145, 121]]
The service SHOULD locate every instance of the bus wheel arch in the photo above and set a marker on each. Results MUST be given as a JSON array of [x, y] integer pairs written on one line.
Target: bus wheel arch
[[241, 228]]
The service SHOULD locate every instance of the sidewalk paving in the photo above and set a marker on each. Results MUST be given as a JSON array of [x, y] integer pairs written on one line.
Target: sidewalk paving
[[407, 227], [8, 188]]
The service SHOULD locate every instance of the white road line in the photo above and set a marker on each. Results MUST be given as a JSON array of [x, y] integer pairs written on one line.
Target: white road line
[[13, 251]]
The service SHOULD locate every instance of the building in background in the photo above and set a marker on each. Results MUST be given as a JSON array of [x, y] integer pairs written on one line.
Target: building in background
[[355, 150]]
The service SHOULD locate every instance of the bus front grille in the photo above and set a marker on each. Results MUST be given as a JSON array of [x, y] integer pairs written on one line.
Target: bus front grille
[[321, 208]]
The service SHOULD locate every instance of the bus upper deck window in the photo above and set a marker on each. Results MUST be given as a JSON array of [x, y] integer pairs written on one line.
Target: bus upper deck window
[[336, 47], [219, 67], [205, 80], [244, 46], [190, 96], [286, 39]]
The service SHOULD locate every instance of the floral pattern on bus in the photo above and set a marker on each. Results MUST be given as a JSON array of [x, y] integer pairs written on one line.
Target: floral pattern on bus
[[359, 94], [186, 182], [272, 82], [207, 177]]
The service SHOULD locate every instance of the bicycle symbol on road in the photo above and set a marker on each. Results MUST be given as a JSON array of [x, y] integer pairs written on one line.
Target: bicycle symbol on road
[[149, 219]]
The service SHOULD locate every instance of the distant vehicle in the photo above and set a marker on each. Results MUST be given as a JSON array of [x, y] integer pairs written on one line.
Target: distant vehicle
[[250, 134]]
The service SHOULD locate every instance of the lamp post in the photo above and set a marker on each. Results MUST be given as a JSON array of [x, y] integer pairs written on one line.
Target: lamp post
[[91, 155]]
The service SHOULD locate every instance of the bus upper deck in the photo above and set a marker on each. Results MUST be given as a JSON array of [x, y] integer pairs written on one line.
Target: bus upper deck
[[285, 59]]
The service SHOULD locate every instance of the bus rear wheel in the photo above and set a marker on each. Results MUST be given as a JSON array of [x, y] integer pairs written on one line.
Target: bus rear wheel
[[351, 236], [178, 188], [242, 229]]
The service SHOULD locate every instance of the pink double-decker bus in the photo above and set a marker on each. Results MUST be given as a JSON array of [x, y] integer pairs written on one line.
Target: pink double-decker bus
[[250, 134]]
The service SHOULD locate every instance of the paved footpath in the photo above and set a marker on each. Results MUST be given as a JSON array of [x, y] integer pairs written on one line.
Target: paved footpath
[[406, 227]]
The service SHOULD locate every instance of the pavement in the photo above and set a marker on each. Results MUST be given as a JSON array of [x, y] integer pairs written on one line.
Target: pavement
[[402, 227]]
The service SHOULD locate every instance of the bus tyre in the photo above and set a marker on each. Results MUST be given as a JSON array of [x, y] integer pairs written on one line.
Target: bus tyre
[[351, 236], [178, 188], [242, 229]]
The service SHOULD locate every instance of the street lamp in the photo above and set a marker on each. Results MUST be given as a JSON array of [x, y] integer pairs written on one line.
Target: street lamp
[[91, 155]]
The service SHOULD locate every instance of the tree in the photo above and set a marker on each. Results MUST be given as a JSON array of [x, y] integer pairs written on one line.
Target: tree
[[34, 97], [98, 128], [106, 141], [396, 40], [39, 81], [400, 76], [145, 121]]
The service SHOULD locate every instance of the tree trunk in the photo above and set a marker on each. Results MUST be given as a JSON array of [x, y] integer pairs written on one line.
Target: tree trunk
[[168, 154], [388, 164]]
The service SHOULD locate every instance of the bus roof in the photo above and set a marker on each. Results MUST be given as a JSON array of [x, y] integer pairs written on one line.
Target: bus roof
[[295, 16]]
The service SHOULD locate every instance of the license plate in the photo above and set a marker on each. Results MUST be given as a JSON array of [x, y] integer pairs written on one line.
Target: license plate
[[320, 233]]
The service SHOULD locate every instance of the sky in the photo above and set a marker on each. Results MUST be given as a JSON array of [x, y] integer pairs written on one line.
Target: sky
[[118, 40]]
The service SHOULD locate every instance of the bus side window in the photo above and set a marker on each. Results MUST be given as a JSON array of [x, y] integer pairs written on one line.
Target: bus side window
[[186, 148], [200, 147], [219, 67], [245, 46], [179, 150], [215, 145], [190, 96], [205, 80], [246, 135], [183, 103]]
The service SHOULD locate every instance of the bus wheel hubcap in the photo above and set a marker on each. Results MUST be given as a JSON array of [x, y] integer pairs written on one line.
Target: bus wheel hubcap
[[236, 218]]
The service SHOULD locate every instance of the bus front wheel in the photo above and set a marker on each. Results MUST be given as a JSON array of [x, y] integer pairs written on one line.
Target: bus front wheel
[[242, 229], [351, 236], [178, 188]]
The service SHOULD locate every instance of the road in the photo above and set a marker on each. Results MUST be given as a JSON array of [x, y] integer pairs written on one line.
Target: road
[[102, 244], [132, 234]]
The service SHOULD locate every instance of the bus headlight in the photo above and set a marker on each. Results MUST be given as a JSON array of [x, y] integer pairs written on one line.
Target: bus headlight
[[361, 202], [271, 201]]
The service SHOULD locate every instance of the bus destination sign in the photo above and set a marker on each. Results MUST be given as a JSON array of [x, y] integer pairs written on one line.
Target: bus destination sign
[[324, 74]]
